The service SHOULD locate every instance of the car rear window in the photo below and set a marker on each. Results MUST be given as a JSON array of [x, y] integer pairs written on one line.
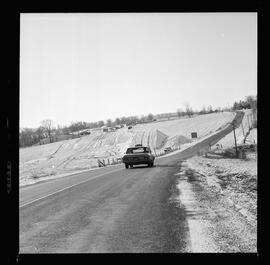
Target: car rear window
[[137, 150]]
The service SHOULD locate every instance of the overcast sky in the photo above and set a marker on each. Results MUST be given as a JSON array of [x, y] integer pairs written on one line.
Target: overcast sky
[[90, 67]]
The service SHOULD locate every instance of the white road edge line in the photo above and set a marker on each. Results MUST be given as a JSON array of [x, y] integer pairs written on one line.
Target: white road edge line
[[69, 187]]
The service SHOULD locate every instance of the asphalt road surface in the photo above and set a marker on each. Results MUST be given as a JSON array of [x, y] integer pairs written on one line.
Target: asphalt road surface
[[110, 209]]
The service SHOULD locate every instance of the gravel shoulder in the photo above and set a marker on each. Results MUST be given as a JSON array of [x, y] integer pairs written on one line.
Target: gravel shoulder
[[220, 195]]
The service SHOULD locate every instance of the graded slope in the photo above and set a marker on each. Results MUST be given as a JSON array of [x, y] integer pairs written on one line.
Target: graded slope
[[51, 160]]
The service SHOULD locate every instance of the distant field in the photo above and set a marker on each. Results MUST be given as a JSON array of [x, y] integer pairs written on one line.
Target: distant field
[[67, 156]]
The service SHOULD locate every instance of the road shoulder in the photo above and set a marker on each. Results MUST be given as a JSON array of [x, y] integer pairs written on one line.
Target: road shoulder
[[217, 222]]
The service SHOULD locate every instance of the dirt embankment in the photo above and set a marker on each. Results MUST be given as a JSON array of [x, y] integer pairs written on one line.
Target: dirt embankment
[[52, 160]]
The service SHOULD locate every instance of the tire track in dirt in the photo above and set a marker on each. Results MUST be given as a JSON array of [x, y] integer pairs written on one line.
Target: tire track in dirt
[[74, 155], [51, 156], [148, 138]]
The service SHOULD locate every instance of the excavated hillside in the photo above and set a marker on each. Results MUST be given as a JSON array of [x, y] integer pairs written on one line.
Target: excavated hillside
[[51, 160]]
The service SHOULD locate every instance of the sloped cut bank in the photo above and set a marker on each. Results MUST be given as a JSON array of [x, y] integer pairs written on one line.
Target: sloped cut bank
[[51, 160]]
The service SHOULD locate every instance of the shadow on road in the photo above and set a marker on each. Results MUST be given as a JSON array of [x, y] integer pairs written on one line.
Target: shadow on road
[[138, 167], [164, 165]]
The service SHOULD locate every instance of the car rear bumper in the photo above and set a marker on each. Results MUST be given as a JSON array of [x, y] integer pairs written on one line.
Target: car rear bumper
[[138, 161]]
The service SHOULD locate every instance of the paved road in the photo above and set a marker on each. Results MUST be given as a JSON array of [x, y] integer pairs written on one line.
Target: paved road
[[111, 209]]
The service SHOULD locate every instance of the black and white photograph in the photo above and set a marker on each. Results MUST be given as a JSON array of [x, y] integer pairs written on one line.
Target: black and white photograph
[[138, 132]]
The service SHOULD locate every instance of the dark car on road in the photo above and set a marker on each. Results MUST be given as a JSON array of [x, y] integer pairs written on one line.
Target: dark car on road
[[138, 155]]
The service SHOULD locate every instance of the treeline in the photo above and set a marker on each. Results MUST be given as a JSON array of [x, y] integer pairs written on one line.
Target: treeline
[[48, 133], [250, 102], [189, 112], [46, 130]]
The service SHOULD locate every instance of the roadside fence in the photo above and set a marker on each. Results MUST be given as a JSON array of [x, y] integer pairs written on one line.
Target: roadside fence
[[103, 162], [109, 161]]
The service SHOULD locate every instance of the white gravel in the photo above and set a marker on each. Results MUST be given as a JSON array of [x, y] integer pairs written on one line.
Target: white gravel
[[220, 197]]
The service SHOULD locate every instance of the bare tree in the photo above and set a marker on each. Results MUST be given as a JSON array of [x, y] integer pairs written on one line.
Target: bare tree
[[100, 123], [79, 125], [59, 130], [180, 112], [252, 102], [209, 109], [109, 122], [47, 126], [40, 133], [150, 117], [117, 121], [203, 110], [26, 137], [66, 130], [143, 118], [123, 120], [188, 108]]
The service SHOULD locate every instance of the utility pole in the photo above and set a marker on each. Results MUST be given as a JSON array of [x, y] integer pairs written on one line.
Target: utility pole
[[251, 120], [248, 122], [243, 128], [236, 151]]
